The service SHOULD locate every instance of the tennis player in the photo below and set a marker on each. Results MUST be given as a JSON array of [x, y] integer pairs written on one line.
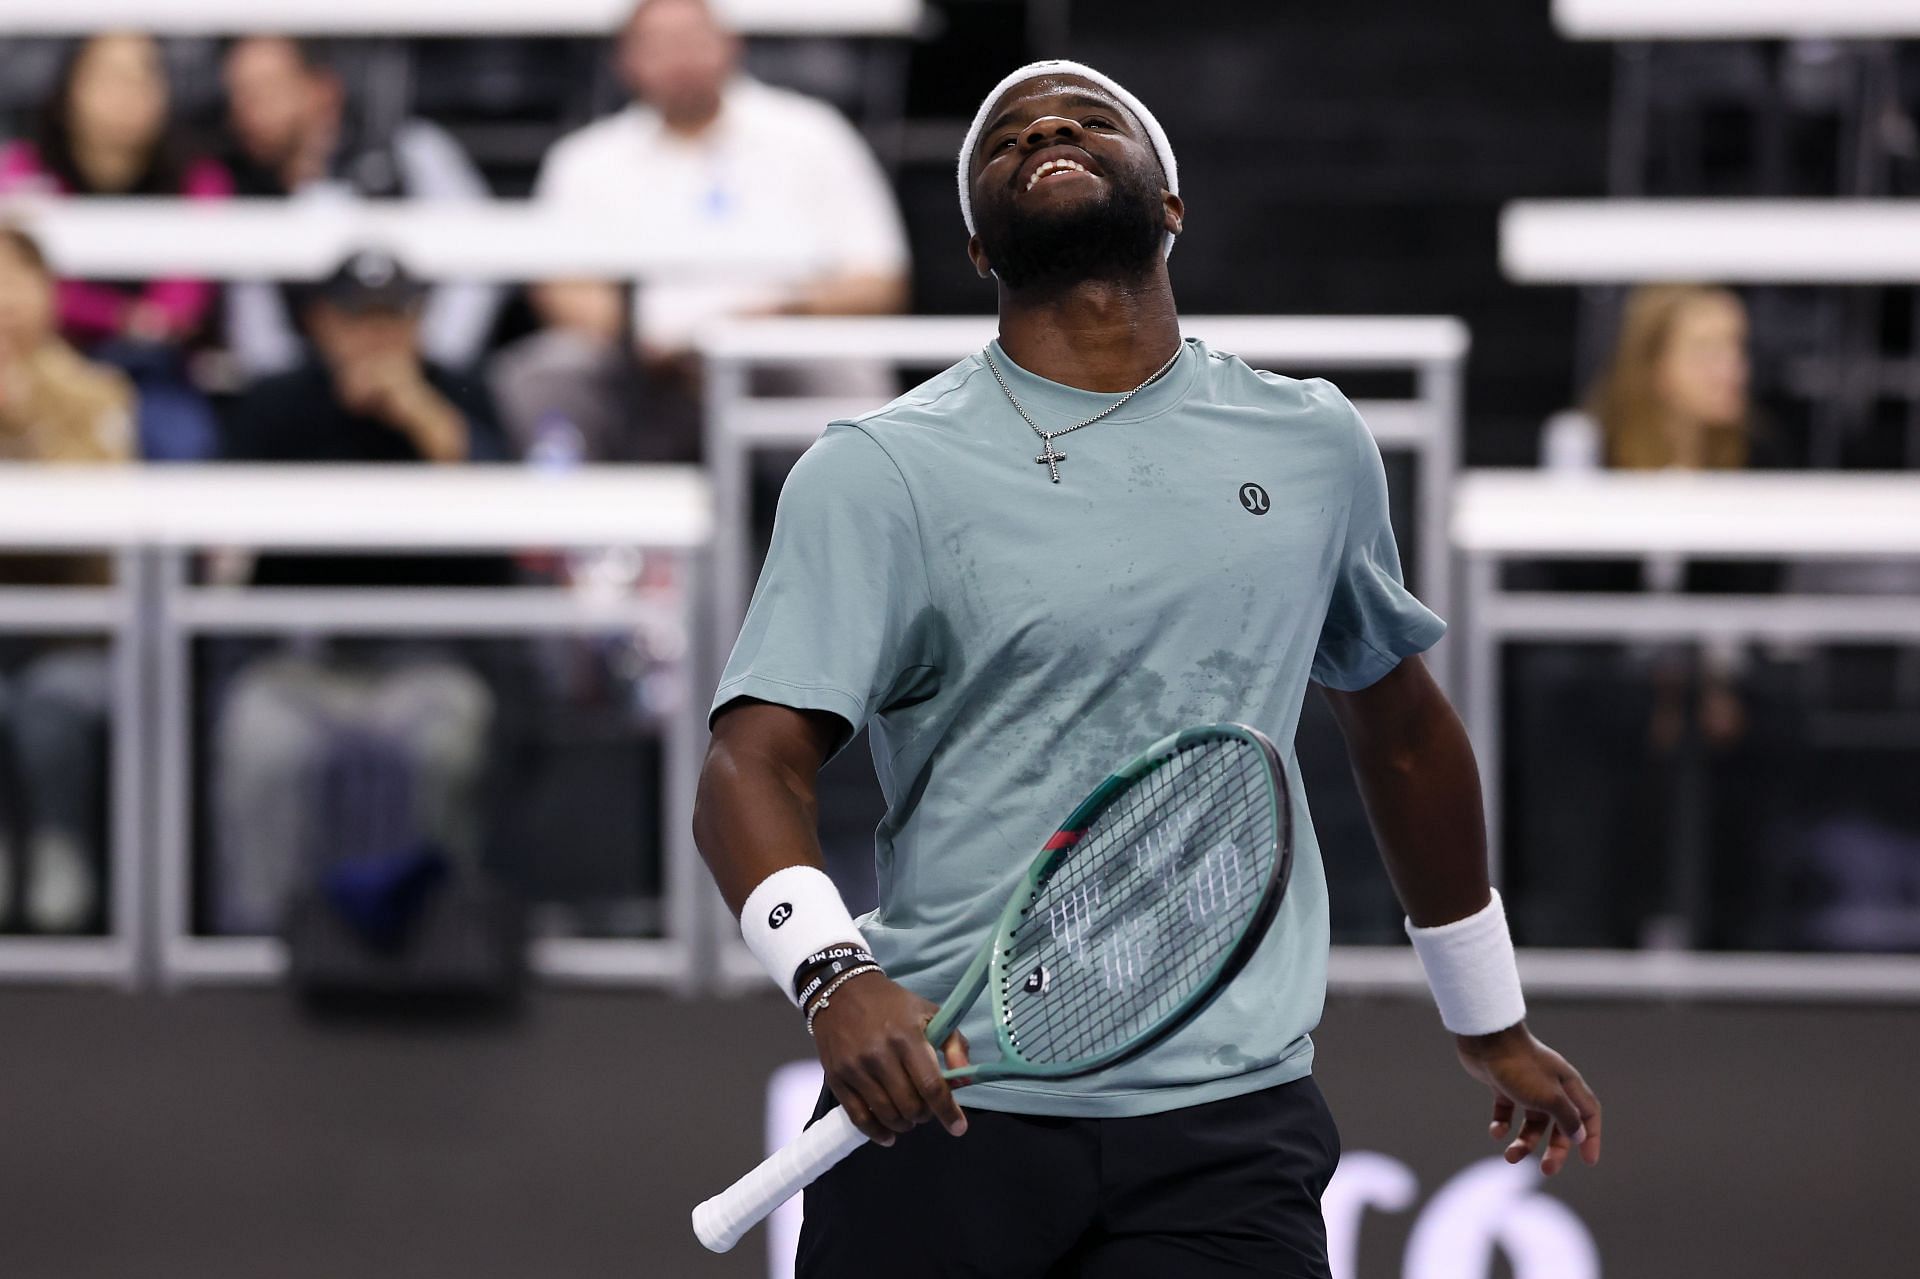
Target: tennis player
[[1085, 536]]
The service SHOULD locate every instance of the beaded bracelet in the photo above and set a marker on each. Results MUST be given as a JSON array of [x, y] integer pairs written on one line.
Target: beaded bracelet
[[834, 985]]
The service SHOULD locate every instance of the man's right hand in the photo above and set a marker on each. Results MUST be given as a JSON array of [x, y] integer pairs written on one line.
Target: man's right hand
[[872, 1038]]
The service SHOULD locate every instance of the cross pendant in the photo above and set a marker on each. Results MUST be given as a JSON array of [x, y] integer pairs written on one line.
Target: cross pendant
[[1050, 459]]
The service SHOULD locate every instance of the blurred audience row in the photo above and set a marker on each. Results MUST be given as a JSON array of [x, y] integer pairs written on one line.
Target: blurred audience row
[[375, 365], [704, 151]]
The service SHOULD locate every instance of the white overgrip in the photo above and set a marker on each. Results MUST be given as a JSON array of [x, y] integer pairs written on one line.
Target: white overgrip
[[723, 1219]]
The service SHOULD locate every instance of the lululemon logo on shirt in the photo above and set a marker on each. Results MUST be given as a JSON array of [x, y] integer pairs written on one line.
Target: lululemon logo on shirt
[[1255, 499], [779, 914], [1037, 981]]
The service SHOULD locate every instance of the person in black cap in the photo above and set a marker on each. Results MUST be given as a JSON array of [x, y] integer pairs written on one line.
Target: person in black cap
[[366, 394], [316, 747]]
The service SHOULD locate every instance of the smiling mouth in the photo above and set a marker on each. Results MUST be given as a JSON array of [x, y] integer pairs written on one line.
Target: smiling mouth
[[1054, 168]]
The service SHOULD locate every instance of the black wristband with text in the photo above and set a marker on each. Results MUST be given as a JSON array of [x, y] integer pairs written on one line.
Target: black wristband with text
[[824, 965]]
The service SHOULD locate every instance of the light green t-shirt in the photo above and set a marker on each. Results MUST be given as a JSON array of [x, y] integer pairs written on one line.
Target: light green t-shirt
[[1211, 547]]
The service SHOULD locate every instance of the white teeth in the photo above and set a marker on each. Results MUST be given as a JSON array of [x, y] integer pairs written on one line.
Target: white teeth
[[1052, 166]]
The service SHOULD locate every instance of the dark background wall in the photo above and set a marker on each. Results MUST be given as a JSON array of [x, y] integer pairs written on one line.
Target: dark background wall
[[218, 1135]]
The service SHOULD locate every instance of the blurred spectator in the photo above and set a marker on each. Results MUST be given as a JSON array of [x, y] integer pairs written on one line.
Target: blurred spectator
[[708, 155], [294, 136], [1676, 392], [1675, 397], [369, 393], [578, 391], [105, 132], [1631, 848], [54, 407], [375, 747], [369, 752]]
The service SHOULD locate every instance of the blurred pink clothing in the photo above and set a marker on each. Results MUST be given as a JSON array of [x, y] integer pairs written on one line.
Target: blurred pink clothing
[[92, 311]]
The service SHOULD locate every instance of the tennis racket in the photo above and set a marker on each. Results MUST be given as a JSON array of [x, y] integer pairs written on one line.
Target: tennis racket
[[1135, 915]]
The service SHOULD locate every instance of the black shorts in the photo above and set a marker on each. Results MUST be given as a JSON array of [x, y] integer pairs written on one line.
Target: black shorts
[[1229, 1188]]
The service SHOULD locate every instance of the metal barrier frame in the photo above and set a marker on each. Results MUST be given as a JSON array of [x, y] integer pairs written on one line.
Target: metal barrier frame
[[1505, 517], [153, 521], [116, 611], [185, 611]]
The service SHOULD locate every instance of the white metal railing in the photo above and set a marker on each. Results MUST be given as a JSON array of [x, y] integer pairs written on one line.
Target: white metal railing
[[1736, 19], [1502, 517], [153, 521], [304, 238], [1731, 241], [444, 17]]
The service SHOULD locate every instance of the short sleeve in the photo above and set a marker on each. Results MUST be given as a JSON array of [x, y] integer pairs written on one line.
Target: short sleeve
[[860, 228], [841, 619], [1373, 622], [563, 168]]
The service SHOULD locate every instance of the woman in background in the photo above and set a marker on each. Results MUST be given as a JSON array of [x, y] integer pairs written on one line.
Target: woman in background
[[1673, 395], [1619, 747], [1676, 393], [105, 131], [55, 407]]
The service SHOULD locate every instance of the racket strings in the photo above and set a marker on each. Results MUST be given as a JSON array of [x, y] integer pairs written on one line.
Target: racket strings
[[1137, 919]]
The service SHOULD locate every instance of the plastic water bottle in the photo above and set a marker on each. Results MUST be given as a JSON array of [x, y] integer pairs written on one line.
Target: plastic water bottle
[[557, 444]]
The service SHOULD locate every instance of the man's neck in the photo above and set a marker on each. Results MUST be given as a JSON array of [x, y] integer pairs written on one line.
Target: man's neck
[[696, 123], [1098, 335]]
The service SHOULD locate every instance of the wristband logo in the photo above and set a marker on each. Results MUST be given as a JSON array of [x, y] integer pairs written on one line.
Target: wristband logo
[[779, 914]]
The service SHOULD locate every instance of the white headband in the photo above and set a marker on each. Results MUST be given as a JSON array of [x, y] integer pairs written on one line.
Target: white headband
[[1060, 67]]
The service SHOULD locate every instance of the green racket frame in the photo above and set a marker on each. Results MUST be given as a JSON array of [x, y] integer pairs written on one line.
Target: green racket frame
[[989, 965]]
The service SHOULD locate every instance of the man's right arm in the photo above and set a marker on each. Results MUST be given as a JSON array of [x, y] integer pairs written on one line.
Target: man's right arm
[[756, 813]]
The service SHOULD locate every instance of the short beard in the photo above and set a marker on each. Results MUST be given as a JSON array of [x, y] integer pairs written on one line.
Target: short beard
[[1116, 239]]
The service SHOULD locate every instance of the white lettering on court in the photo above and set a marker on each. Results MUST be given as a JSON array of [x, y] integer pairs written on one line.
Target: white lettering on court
[[1489, 1208]]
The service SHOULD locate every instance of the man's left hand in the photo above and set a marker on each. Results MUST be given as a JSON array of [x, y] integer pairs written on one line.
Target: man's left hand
[[1528, 1077]]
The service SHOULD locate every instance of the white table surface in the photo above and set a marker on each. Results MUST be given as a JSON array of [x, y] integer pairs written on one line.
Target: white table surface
[[439, 17], [1802, 515], [1755, 241], [1735, 19], [345, 508]]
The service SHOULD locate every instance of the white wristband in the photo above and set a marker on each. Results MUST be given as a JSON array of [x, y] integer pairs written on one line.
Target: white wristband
[[791, 914], [1470, 968]]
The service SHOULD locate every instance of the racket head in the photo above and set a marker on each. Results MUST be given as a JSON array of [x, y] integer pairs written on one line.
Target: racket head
[[1151, 896]]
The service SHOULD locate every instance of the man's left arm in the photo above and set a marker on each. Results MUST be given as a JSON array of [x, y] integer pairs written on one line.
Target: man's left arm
[[1417, 776]]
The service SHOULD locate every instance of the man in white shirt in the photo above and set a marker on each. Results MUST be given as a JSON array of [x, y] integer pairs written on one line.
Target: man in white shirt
[[707, 155]]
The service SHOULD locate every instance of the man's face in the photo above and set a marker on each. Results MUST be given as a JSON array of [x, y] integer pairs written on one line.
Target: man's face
[[346, 337], [677, 59], [272, 98], [1066, 187]]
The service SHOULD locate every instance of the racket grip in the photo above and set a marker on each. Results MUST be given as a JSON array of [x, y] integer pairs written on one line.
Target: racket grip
[[721, 1220]]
